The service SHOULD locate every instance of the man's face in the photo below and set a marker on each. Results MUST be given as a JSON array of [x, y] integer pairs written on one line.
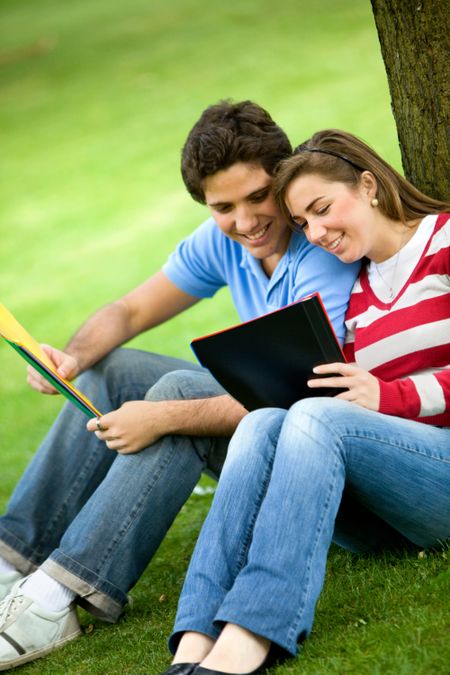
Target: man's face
[[241, 202]]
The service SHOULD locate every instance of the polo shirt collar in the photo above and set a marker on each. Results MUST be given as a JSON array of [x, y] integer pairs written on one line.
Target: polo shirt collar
[[253, 265]]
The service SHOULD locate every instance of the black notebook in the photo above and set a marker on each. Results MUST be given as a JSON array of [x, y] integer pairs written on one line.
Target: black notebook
[[267, 361]]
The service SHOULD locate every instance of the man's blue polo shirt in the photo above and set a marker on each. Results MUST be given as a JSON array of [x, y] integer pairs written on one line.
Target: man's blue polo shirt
[[208, 260]]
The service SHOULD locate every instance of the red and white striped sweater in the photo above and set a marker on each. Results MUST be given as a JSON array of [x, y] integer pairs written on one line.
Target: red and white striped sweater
[[406, 343]]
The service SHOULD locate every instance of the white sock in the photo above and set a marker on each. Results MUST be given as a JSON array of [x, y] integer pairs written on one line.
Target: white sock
[[47, 592], [6, 566]]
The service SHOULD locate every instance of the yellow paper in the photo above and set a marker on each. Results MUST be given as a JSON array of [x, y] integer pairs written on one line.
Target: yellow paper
[[15, 333], [12, 330]]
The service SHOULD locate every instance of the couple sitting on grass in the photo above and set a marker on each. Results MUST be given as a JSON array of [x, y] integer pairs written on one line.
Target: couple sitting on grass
[[368, 468]]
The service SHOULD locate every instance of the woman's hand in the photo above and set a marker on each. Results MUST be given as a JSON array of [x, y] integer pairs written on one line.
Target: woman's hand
[[362, 387], [130, 428]]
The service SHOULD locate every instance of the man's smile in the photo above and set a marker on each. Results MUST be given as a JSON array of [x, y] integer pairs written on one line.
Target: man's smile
[[259, 234]]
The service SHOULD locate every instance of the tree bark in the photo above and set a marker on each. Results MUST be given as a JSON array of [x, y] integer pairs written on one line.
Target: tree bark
[[415, 43]]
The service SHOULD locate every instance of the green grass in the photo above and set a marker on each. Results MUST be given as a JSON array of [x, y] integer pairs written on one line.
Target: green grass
[[96, 99]]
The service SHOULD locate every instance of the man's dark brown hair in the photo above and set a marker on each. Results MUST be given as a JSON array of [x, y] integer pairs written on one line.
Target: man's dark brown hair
[[227, 133]]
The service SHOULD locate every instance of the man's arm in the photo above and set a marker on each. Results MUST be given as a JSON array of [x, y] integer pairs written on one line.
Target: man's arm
[[148, 305], [138, 424]]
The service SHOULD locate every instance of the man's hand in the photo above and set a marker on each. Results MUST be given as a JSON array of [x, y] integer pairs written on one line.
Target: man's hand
[[131, 428], [66, 367], [362, 387], [138, 424]]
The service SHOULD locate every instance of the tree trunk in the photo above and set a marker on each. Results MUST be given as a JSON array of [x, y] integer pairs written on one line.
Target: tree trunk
[[415, 43]]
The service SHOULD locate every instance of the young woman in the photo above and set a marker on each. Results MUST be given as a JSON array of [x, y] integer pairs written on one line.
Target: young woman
[[368, 468]]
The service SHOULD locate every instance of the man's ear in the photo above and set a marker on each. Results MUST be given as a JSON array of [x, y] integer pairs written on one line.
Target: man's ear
[[368, 184]]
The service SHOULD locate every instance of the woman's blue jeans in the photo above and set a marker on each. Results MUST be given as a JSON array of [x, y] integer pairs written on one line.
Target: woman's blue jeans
[[94, 518], [293, 482]]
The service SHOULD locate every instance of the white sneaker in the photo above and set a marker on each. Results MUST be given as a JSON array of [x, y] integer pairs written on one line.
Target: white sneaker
[[27, 631], [7, 581]]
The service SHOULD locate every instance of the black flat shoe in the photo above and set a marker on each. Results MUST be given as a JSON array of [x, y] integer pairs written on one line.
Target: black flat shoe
[[274, 657], [206, 671], [181, 669]]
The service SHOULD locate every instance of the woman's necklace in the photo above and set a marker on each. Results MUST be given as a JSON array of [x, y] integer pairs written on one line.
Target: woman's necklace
[[390, 285]]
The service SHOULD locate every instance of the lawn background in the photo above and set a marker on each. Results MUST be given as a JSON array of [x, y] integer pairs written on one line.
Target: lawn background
[[96, 99]]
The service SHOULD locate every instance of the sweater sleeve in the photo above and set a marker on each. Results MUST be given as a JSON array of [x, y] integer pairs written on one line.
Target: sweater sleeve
[[424, 397]]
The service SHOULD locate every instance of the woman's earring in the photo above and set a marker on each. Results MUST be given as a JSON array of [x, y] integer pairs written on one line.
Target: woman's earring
[[374, 202]]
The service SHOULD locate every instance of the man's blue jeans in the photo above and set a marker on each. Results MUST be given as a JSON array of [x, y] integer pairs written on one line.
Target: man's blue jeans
[[294, 481], [94, 518]]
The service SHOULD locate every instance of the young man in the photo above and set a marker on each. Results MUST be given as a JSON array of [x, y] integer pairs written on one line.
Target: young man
[[96, 501]]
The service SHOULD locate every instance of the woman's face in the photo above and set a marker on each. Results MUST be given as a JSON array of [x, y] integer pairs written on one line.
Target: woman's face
[[334, 215]]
